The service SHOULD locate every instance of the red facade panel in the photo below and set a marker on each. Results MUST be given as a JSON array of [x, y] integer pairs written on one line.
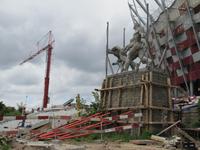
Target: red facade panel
[[188, 60], [177, 80], [183, 45], [194, 75], [175, 65], [173, 51], [43, 117], [195, 66], [186, 44], [65, 117], [194, 49], [20, 117]]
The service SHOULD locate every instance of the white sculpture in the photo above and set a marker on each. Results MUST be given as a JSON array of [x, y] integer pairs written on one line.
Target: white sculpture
[[135, 49]]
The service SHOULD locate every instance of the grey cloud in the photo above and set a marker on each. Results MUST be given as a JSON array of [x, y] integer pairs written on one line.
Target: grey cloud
[[78, 56], [25, 78], [81, 53]]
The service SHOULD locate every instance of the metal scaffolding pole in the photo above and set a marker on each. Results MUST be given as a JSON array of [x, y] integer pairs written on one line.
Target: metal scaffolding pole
[[159, 4], [124, 37], [142, 6], [134, 11], [147, 34], [137, 14], [107, 47], [164, 52], [107, 36]]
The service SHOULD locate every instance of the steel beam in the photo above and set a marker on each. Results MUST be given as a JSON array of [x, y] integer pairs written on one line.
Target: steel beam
[[159, 4], [107, 47], [135, 12], [124, 37]]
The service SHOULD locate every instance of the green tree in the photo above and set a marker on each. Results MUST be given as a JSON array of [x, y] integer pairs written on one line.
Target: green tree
[[11, 111], [21, 107], [96, 105], [2, 108], [7, 110]]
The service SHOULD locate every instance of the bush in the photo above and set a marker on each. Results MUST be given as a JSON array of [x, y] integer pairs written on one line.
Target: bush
[[8, 111], [145, 135], [4, 144]]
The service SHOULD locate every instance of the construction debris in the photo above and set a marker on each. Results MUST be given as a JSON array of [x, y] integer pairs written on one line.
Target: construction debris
[[168, 128], [39, 144], [167, 143], [158, 138], [197, 143], [143, 142], [69, 147], [87, 126]]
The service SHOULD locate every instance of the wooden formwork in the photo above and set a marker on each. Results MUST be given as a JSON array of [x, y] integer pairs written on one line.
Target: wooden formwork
[[145, 92]]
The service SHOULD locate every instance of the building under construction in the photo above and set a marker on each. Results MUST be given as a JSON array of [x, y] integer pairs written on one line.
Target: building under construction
[[173, 46], [174, 35]]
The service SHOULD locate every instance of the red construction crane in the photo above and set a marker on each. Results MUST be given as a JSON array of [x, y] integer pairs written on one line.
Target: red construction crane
[[48, 48]]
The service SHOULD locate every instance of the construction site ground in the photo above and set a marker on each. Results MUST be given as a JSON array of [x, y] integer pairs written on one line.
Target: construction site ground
[[92, 146]]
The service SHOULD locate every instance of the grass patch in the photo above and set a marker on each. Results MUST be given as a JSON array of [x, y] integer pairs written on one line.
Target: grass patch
[[5, 147], [88, 138], [4, 144], [123, 137], [14, 113], [145, 135]]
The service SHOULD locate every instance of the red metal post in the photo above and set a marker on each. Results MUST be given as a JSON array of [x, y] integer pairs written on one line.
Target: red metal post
[[46, 81], [82, 125]]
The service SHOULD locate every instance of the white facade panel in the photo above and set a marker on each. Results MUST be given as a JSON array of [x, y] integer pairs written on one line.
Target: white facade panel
[[168, 53], [180, 72], [196, 18], [196, 56], [186, 53], [175, 58], [194, 3]]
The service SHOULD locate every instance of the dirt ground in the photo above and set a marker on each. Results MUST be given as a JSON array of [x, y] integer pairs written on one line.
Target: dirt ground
[[94, 146], [121, 146]]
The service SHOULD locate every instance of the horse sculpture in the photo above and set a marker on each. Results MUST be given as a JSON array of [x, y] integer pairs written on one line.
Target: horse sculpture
[[135, 49]]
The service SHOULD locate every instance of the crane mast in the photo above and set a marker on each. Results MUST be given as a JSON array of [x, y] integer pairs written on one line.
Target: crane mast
[[46, 80], [48, 48]]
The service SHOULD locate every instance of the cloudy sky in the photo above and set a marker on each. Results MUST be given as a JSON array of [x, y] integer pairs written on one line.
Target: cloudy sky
[[78, 64]]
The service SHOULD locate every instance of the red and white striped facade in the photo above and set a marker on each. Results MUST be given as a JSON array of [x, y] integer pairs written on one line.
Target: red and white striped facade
[[184, 36]]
